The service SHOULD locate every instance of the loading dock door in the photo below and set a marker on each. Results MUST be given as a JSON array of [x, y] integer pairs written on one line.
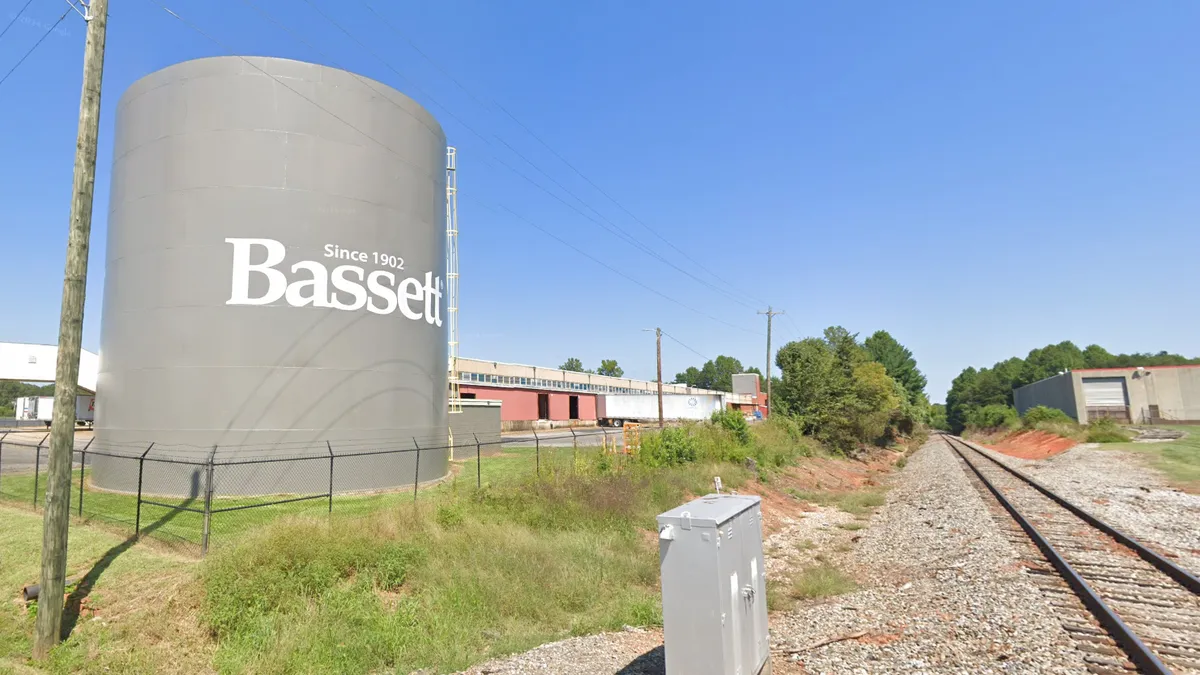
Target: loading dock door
[[1106, 397]]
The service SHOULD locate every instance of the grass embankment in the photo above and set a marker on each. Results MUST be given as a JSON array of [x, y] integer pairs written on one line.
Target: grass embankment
[[387, 585]]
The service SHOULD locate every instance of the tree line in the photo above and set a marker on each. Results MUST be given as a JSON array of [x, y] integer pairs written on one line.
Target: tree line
[[978, 397]]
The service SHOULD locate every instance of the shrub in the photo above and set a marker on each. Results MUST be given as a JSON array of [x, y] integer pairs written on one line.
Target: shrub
[[778, 441], [733, 422], [1041, 413], [993, 417], [1106, 431], [670, 447]]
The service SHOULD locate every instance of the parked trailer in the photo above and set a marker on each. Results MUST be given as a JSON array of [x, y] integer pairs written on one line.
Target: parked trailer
[[617, 409], [42, 408]]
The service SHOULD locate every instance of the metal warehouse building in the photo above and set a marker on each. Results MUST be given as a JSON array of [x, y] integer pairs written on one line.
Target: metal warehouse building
[[1153, 394]]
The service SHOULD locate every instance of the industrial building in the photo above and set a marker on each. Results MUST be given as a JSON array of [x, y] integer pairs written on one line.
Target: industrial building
[[533, 397], [1149, 395]]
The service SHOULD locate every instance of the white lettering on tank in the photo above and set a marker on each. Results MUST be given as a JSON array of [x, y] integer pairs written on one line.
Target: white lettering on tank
[[342, 284], [276, 281], [310, 283], [408, 290], [385, 292]]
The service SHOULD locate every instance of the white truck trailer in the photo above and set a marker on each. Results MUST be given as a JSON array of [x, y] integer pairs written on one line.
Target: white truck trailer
[[42, 408], [617, 409]]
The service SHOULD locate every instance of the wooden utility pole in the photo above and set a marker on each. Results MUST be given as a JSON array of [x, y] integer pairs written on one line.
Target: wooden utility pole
[[658, 335], [770, 313], [70, 334]]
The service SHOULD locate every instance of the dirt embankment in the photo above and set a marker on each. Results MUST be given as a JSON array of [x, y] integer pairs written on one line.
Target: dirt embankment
[[1030, 444]]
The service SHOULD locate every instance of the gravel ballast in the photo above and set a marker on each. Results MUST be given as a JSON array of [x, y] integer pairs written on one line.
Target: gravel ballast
[[944, 591], [1116, 487]]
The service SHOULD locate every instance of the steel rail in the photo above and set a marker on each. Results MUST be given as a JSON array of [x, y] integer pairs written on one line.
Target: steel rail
[[1134, 648], [1177, 573]]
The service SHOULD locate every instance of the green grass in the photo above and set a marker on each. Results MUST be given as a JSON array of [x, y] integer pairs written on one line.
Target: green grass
[[818, 581], [857, 502], [118, 512], [458, 579], [128, 634], [1179, 460], [853, 527]]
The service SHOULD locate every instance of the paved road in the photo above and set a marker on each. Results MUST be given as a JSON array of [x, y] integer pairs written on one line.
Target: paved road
[[18, 453], [560, 438]]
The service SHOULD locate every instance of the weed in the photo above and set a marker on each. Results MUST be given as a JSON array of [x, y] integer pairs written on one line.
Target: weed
[[858, 502], [1106, 431], [820, 581], [852, 526], [1041, 413]]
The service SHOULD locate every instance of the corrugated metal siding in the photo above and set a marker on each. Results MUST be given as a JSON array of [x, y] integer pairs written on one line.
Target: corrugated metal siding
[[1104, 392]]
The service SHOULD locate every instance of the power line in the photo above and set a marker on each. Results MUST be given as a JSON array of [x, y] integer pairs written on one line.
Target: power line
[[611, 227], [15, 17], [618, 272], [226, 47], [35, 46], [538, 138], [686, 347]]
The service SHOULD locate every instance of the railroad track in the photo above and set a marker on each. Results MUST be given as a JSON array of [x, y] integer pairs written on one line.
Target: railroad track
[[1143, 604]]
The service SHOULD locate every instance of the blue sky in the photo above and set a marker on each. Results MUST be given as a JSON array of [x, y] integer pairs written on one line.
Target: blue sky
[[951, 172]]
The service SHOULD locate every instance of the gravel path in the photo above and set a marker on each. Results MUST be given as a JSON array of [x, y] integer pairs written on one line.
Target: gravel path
[[1118, 488], [945, 591]]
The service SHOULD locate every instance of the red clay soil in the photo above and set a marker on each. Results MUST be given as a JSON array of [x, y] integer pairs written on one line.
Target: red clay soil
[[1032, 445]]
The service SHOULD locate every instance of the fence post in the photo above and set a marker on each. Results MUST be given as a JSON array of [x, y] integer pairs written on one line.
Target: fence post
[[82, 467], [329, 446], [478, 463], [137, 521], [208, 494], [416, 470], [574, 449], [2, 453], [537, 449], [37, 468]]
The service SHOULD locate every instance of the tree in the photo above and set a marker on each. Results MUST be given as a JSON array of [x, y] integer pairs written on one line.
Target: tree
[[690, 377], [898, 361], [1050, 361], [573, 365], [838, 393], [610, 368], [716, 374], [1095, 356], [959, 401], [937, 417]]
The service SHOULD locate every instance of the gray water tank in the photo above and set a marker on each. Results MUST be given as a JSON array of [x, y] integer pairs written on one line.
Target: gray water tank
[[274, 278]]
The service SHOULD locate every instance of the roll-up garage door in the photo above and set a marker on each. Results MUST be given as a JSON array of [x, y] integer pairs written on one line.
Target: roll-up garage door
[[1104, 392]]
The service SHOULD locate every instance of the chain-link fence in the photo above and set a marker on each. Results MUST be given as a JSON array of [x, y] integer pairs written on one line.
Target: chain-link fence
[[193, 498]]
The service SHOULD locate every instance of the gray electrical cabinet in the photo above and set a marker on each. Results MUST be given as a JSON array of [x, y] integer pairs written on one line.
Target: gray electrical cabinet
[[714, 587]]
